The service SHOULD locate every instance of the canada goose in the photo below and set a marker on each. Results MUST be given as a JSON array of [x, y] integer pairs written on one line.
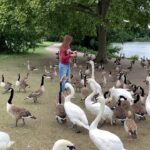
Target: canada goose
[[38, 93], [63, 145], [119, 83], [22, 84], [104, 140], [31, 68], [84, 90], [87, 71], [17, 112], [138, 108], [5, 85], [121, 110], [130, 126], [125, 84], [76, 115], [60, 111], [112, 77], [5, 142]]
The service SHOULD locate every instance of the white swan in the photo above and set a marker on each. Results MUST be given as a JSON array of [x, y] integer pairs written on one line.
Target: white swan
[[63, 145], [104, 140], [74, 112], [115, 93], [147, 103], [94, 108], [93, 76], [5, 141]]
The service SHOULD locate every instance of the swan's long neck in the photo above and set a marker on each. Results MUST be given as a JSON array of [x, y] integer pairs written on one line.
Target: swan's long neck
[[72, 93], [89, 98], [94, 124], [149, 90], [92, 76], [11, 97]]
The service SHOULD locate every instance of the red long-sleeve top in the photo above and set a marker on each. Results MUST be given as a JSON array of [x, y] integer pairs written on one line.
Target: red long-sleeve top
[[64, 55]]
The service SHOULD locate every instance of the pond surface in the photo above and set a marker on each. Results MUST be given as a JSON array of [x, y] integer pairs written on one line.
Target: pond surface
[[142, 49]]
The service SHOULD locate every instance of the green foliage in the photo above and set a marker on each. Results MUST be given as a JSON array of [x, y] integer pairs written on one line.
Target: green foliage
[[134, 57], [112, 51], [83, 49], [19, 30]]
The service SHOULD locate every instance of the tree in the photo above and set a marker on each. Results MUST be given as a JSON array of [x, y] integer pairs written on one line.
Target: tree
[[19, 26], [102, 14]]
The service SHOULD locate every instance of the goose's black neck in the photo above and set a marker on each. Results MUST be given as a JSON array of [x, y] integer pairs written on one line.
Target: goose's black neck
[[106, 94], [142, 91], [84, 80], [125, 79], [19, 77], [137, 98], [11, 96], [42, 81], [2, 78], [60, 91]]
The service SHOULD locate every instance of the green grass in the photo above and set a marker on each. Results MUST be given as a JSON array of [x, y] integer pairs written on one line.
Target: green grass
[[41, 134]]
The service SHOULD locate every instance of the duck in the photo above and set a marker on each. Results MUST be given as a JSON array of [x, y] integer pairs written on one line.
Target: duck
[[63, 144], [5, 142], [22, 84], [84, 89], [76, 115], [17, 112], [37, 93], [103, 140], [5, 85], [130, 126], [94, 108], [60, 111], [31, 68], [115, 93]]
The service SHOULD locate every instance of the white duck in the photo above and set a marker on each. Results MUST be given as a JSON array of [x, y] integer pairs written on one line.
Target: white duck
[[103, 139], [5, 141], [63, 145], [76, 115], [147, 103], [115, 93], [94, 108]]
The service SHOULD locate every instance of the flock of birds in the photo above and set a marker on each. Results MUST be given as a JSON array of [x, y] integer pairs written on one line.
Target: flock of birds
[[123, 103]]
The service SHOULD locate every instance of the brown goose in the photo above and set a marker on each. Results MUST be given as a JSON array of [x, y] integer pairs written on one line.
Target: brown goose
[[37, 93], [31, 68], [60, 111], [17, 112], [22, 84], [130, 126]]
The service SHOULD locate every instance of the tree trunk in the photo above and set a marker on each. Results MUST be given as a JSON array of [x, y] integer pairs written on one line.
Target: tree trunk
[[102, 9], [102, 54]]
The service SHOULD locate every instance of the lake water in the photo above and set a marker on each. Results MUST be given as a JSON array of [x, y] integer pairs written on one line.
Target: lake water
[[135, 48]]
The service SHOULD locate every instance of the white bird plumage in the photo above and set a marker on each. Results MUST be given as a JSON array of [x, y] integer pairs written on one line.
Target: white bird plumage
[[147, 103], [103, 139], [94, 108], [5, 141], [76, 115], [63, 144]]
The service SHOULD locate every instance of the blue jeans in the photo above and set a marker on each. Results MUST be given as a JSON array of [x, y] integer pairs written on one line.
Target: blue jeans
[[64, 70]]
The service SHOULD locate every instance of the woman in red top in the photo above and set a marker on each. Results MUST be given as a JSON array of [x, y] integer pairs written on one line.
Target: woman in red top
[[65, 54]]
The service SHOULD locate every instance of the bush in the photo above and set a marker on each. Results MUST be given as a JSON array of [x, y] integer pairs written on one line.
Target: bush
[[112, 51], [134, 57]]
